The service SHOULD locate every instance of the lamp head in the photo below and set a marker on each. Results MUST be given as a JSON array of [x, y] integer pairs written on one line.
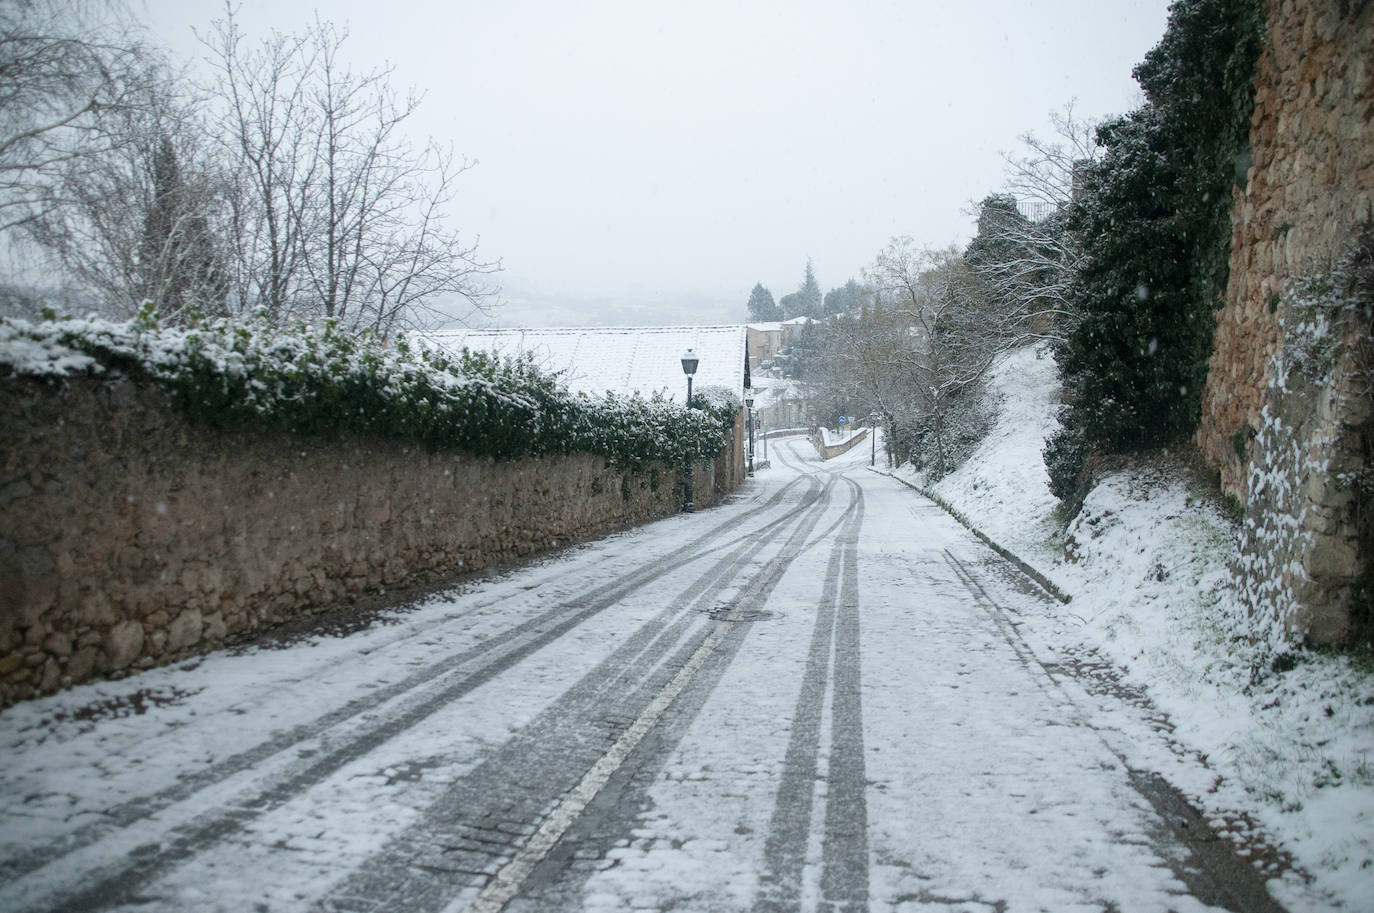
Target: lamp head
[[689, 363]]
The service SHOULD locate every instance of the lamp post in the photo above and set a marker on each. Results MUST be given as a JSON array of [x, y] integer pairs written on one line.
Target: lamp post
[[689, 367], [749, 411], [873, 438]]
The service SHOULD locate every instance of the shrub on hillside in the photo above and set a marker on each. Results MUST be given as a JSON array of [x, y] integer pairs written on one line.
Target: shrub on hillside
[[968, 418], [1065, 452]]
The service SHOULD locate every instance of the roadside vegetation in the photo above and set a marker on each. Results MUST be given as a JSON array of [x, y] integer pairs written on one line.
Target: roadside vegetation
[[260, 240], [317, 380]]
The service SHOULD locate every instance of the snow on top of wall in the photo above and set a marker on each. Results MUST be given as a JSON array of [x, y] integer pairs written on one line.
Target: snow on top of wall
[[596, 360]]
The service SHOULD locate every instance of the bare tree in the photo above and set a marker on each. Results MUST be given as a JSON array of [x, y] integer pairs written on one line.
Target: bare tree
[[864, 360], [382, 254], [63, 64], [337, 215], [1024, 250], [287, 188], [360, 120], [139, 222], [1045, 170], [424, 264], [919, 353], [271, 136]]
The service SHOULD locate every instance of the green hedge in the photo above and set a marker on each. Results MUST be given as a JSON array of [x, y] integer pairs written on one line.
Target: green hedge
[[314, 380]]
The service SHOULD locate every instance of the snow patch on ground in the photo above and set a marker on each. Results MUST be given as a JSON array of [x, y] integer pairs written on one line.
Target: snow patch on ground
[[1146, 562]]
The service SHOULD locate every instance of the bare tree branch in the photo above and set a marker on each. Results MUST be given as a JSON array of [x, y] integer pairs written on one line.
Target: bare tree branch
[[64, 65]]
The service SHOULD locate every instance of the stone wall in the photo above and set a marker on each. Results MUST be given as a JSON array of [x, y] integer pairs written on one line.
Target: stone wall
[[129, 537], [1309, 188], [830, 451]]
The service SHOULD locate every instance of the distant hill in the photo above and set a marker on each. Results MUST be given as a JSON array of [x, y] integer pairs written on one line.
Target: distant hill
[[523, 304]]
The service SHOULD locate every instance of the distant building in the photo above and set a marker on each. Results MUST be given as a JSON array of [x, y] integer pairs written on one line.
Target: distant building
[[765, 339], [779, 403]]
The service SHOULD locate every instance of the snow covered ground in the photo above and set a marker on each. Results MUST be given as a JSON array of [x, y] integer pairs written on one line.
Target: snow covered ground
[[823, 694], [1146, 564]]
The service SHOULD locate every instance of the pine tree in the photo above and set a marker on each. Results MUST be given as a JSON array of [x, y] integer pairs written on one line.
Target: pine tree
[[762, 307], [809, 299]]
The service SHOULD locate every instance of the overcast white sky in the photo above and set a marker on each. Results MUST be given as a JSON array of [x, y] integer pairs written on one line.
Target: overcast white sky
[[677, 153]]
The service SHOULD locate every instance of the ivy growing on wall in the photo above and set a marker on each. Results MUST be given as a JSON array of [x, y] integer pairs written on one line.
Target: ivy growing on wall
[[314, 380]]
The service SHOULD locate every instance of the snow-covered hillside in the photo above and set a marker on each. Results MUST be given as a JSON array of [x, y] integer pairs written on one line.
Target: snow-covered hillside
[[1146, 562]]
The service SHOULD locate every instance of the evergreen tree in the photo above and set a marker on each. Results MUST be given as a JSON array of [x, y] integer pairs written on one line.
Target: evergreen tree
[[809, 299], [1154, 218], [790, 305], [178, 266], [846, 299], [1000, 230], [762, 307]]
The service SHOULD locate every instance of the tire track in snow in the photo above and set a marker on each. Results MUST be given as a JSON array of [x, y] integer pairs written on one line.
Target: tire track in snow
[[834, 639], [844, 876], [555, 884], [493, 830], [469, 670]]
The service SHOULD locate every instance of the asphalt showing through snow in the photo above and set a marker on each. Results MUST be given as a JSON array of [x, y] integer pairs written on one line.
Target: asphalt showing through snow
[[817, 696]]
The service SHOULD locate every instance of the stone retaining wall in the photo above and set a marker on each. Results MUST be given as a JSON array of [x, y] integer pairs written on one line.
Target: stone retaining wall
[[829, 451], [130, 537], [1309, 188]]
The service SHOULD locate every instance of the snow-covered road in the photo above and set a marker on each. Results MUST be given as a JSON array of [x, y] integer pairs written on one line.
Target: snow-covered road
[[817, 696]]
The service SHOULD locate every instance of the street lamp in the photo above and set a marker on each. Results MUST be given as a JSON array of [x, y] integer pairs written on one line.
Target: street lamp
[[749, 412], [873, 438], [689, 367]]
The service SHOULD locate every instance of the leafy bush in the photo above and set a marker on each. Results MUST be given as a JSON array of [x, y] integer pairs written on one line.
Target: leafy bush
[[313, 380], [1065, 453]]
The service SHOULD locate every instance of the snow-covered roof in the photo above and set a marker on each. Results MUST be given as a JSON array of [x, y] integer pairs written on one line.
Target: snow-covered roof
[[595, 360], [774, 326], [769, 391]]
